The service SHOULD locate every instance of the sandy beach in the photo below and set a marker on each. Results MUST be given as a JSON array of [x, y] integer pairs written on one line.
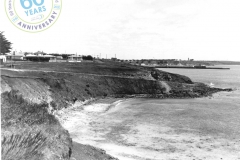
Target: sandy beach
[[158, 129]]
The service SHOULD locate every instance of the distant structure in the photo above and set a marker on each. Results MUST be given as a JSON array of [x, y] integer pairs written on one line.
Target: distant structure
[[3, 59], [37, 58], [190, 59], [14, 57], [160, 62], [51, 58], [75, 58]]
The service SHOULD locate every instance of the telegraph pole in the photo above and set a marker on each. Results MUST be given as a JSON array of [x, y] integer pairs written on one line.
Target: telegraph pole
[[0, 43]]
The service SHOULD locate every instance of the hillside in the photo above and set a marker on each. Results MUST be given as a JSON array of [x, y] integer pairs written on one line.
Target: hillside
[[32, 94]]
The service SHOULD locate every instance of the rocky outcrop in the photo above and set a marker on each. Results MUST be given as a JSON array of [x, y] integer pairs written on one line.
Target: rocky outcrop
[[170, 77]]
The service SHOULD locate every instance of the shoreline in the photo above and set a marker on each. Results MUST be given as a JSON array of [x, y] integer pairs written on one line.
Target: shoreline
[[131, 144], [114, 100], [107, 103], [83, 149], [92, 101]]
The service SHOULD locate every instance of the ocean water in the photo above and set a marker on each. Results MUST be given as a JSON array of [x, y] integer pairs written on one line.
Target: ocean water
[[220, 78], [160, 129]]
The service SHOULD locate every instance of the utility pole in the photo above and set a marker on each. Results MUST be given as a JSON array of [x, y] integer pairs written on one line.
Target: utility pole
[[14, 55], [0, 43]]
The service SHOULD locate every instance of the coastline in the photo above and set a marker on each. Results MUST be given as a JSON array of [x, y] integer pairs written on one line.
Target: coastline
[[56, 93], [67, 120], [184, 143]]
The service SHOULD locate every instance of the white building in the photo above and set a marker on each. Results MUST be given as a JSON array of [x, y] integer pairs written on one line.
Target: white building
[[74, 58], [3, 59]]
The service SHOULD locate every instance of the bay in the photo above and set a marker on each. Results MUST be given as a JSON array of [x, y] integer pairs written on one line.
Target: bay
[[143, 129]]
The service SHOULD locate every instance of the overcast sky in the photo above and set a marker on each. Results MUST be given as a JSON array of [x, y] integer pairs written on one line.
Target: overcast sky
[[136, 29]]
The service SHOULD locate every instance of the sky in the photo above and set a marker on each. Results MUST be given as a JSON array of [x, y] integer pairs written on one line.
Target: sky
[[138, 29]]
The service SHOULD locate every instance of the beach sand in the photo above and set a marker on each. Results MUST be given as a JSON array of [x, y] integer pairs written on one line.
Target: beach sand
[[141, 129]]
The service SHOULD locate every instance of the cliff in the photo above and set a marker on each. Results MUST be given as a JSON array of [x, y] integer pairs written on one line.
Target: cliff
[[32, 93]]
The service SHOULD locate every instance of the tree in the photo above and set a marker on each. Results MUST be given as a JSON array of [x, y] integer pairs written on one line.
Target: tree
[[5, 45], [65, 56], [87, 58]]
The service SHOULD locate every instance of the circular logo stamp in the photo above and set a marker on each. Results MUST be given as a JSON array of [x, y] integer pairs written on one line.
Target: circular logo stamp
[[33, 15]]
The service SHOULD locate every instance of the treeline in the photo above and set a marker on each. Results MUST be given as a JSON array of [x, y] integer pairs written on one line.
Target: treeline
[[87, 58], [5, 45]]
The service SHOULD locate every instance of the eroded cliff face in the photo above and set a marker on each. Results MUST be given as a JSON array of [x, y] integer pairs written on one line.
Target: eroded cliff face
[[61, 90], [30, 98]]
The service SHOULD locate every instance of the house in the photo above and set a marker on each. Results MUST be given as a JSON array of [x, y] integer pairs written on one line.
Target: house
[[39, 53], [36, 58], [51, 58], [3, 59], [74, 58], [14, 57]]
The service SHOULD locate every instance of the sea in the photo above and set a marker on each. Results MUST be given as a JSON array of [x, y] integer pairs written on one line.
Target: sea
[[166, 129]]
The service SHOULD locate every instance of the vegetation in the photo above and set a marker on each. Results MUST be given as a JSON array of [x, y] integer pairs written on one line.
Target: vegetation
[[15, 110], [29, 132], [5, 45], [23, 146], [90, 58]]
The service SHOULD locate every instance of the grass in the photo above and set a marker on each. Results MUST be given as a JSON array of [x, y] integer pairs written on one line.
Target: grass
[[29, 132], [25, 146], [106, 68], [16, 111]]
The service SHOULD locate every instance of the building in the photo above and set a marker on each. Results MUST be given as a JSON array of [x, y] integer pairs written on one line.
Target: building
[[39, 53], [3, 59], [36, 58], [74, 58], [59, 57], [51, 58], [14, 57]]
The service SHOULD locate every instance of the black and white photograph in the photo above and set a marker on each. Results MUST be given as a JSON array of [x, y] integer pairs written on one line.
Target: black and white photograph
[[120, 79]]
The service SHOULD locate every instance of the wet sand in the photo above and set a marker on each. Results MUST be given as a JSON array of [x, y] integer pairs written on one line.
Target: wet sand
[[204, 128]]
